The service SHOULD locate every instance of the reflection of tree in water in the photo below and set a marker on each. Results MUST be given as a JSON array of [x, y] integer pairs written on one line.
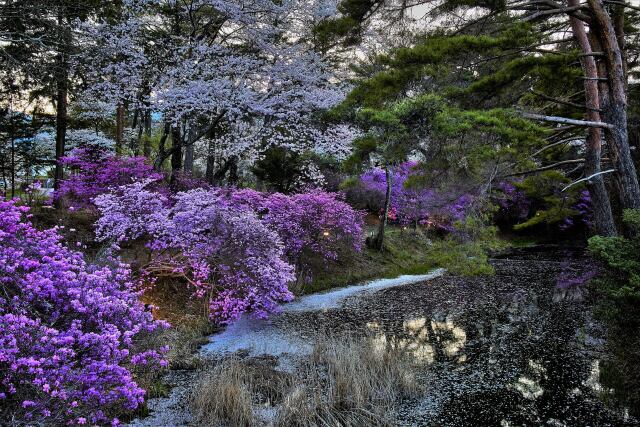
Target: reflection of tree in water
[[516, 347], [424, 339]]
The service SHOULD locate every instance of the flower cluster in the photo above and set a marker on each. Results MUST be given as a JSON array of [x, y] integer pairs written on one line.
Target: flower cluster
[[237, 248], [67, 330], [95, 171], [311, 224], [226, 254]]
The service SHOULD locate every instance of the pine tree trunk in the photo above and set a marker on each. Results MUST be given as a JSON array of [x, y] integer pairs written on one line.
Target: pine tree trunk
[[602, 213], [378, 241], [614, 108]]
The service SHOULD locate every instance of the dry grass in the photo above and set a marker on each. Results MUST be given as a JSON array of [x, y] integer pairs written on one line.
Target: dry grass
[[224, 396], [227, 394], [347, 382], [344, 382]]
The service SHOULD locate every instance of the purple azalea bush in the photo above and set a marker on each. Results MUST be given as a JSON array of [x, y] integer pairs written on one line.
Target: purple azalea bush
[[415, 205], [311, 225], [226, 254], [95, 171], [239, 249], [67, 330]]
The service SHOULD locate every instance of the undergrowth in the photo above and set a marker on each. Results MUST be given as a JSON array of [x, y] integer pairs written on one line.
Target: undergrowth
[[409, 252]]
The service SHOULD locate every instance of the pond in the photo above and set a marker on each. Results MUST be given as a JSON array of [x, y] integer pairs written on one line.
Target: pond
[[505, 350]]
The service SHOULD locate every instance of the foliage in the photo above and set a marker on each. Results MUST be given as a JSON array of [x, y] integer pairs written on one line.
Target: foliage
[[285, 171], [67, 330], [619, 296], [96, 171], [539, 200], [620, 256]]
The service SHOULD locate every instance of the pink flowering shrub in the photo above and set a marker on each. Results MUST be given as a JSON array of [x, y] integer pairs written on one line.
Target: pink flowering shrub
[[239, 249], [95, 171], [224, 252], [67, 330], [312, 225]]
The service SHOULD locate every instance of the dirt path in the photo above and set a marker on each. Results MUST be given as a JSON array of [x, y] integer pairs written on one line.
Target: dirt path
[[508, 349]]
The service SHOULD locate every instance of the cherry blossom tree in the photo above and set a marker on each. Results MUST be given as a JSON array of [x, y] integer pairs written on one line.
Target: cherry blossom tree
[[233, 78]]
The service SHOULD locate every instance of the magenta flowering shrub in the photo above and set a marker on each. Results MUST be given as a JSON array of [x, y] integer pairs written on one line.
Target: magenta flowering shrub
[[314, 224], [225, 253], [239, 249], [67, 330], [95, 171], [414, 205], [513, 204], [583, 213]]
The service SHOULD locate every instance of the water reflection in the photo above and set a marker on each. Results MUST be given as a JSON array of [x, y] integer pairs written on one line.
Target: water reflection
[[502, 353], [425, 340]]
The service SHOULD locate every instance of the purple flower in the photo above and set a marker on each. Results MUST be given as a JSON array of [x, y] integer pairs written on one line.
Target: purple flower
[[67, 328]]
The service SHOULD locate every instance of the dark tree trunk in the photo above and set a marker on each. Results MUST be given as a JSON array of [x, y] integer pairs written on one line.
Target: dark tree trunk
[[602, 213], [61, 122], [119, 129], [378, 241], [161, 147], [176, 154], [613, 103], [189, 151], [62, 89], [233, 171], [211, 161], [146, 149], [13, 163]]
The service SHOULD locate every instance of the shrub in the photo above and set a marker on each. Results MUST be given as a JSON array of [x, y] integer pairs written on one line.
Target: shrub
[[540, 200], [95, 171], [313, 226], [620, 256], [410, 202], [619, 298], [67, 330], [226, 254]]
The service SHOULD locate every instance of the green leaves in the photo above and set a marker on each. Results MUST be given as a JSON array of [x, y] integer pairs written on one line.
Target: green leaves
[[620, 255]]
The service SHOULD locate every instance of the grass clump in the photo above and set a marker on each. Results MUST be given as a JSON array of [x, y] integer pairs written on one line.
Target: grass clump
[[343, 382], [224, 396], [347, 382]]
